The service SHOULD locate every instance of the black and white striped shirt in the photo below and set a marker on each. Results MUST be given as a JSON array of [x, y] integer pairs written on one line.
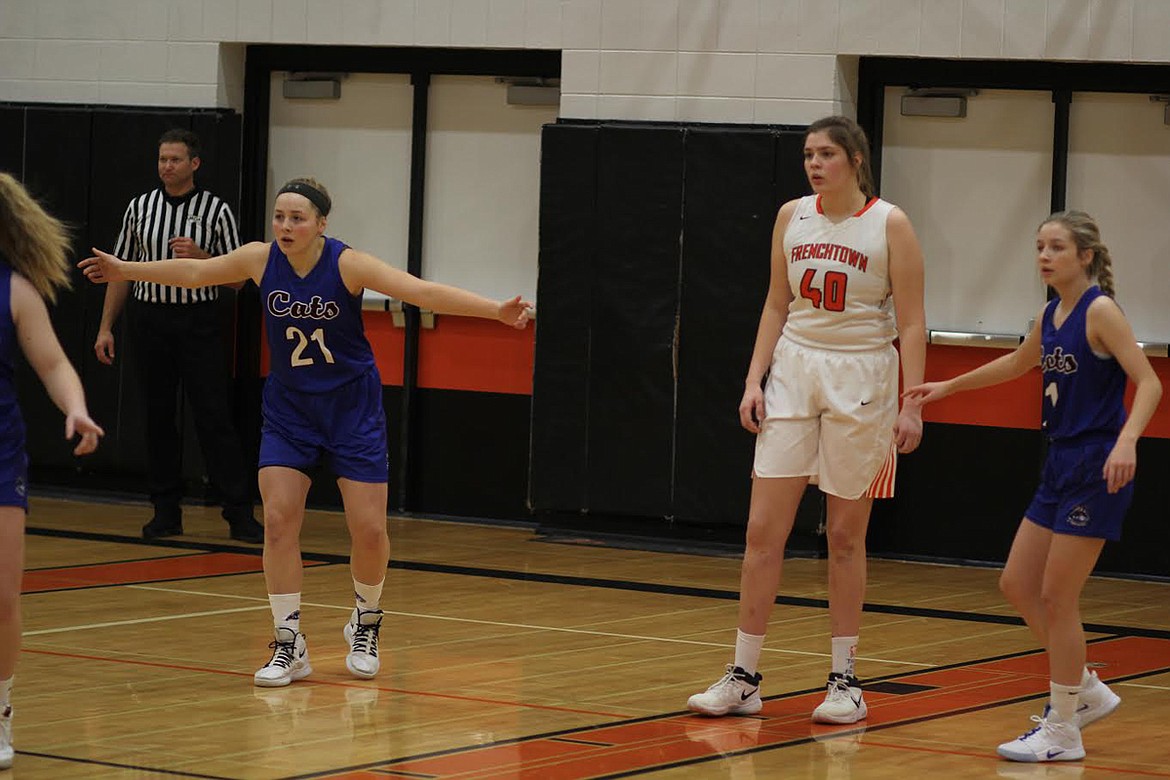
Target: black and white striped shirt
[[154, 218]]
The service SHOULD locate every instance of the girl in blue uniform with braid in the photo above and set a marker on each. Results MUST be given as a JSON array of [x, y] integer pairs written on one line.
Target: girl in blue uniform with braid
[[322, 400], [33, 266], [1085, 349]]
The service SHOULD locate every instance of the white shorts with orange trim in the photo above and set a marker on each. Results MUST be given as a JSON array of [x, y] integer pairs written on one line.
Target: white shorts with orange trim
[[830, 415]]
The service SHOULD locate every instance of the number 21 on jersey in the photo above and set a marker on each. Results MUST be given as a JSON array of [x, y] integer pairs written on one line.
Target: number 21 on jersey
[[318, 336], [830, 295]]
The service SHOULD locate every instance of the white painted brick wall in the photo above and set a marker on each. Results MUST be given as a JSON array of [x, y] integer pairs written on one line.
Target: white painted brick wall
[[766, 61]]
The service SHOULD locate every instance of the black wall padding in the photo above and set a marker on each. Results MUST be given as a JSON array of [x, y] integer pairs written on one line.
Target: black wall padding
[[124, 164], [729, 210], [471, 455], [56, 156], [568, 247], [220, 168], [1144, 547], [960, 495], [12, 141], [633, 319]]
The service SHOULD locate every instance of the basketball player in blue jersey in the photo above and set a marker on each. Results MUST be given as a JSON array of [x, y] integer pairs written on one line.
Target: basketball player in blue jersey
[[323, 400], [1085, 349], [828, 413], [33, 266]]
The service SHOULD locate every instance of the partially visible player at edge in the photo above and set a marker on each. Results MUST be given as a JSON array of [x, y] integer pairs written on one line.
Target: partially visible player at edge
[[1085, 348], [33, 266], [841, 259], [323, 399]]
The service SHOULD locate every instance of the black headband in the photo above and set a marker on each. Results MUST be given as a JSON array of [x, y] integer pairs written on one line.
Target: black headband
[[315, 196]]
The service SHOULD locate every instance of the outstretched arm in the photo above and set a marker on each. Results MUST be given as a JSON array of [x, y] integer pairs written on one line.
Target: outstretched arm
[[247, 262], [361, 270], [1004, 368], [43, 351]]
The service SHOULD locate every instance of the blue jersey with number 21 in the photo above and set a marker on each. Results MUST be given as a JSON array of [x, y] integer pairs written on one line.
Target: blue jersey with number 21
[[314, 325]]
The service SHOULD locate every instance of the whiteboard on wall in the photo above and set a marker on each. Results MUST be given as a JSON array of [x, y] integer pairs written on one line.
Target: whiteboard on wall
[[359, 148], [1119, 172], [482, 207], [975, 188]]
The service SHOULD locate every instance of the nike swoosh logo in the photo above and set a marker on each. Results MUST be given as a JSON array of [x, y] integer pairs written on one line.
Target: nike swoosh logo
[[866, 403], [806, 216], [1082, 708], [748, 694], [1054, 752], [856, 702]]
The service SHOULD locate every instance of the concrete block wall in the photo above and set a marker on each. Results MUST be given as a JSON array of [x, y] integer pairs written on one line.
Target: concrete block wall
[[753, 61]]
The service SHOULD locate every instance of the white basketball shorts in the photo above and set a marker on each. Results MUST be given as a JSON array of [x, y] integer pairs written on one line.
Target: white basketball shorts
[[830, 415]]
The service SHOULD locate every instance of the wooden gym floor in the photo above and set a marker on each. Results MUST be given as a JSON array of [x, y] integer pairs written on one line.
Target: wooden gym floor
[[505, 655]]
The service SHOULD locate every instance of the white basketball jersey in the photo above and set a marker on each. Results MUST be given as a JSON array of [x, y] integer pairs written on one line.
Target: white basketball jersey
[[840, 278]]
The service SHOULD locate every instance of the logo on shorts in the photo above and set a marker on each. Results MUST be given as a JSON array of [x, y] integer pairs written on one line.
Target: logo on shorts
[[1078, 517], [21, 487]]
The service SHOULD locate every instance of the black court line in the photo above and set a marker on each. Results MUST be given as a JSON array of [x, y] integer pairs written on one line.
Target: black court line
[[111, 764], [108, 563], [567, 735], [594, 582], [581, 742]]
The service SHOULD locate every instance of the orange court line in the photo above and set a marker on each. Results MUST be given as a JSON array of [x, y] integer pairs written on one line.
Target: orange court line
[[683, 738], [150, 570]]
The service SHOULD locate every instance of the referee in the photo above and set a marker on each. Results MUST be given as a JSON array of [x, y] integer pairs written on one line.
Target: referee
[[179, 338]]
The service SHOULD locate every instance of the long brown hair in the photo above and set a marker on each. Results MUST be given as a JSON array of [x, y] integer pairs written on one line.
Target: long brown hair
[[847, 134], [32, 241], [1087, 236]]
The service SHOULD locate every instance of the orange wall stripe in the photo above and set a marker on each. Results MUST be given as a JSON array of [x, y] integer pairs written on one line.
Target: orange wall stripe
[[1013, 404], [467, 353]]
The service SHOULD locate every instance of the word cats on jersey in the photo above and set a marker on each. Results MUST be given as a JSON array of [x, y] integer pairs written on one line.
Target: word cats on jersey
[[1058, 361], [281, 304]]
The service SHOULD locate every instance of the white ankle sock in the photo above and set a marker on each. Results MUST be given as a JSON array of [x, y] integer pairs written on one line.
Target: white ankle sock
[[1064, 701], [367, 596], [844, 651], [747, 650], [5, 693], [286, 610]]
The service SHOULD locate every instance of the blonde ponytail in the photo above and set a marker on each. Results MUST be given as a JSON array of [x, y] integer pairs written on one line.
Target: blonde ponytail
[[33, 242]]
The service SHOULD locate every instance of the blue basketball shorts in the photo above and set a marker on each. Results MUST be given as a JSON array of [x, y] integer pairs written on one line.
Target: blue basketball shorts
[[345, 429], [1072, 497], [14, 474]]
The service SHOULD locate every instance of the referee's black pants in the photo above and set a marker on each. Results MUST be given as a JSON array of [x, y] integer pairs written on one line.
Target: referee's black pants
[[183, 342]]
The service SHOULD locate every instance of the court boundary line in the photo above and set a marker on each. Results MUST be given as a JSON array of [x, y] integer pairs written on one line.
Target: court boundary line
[[113, 765], [118, 562], [498, 623], [595, 582]]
